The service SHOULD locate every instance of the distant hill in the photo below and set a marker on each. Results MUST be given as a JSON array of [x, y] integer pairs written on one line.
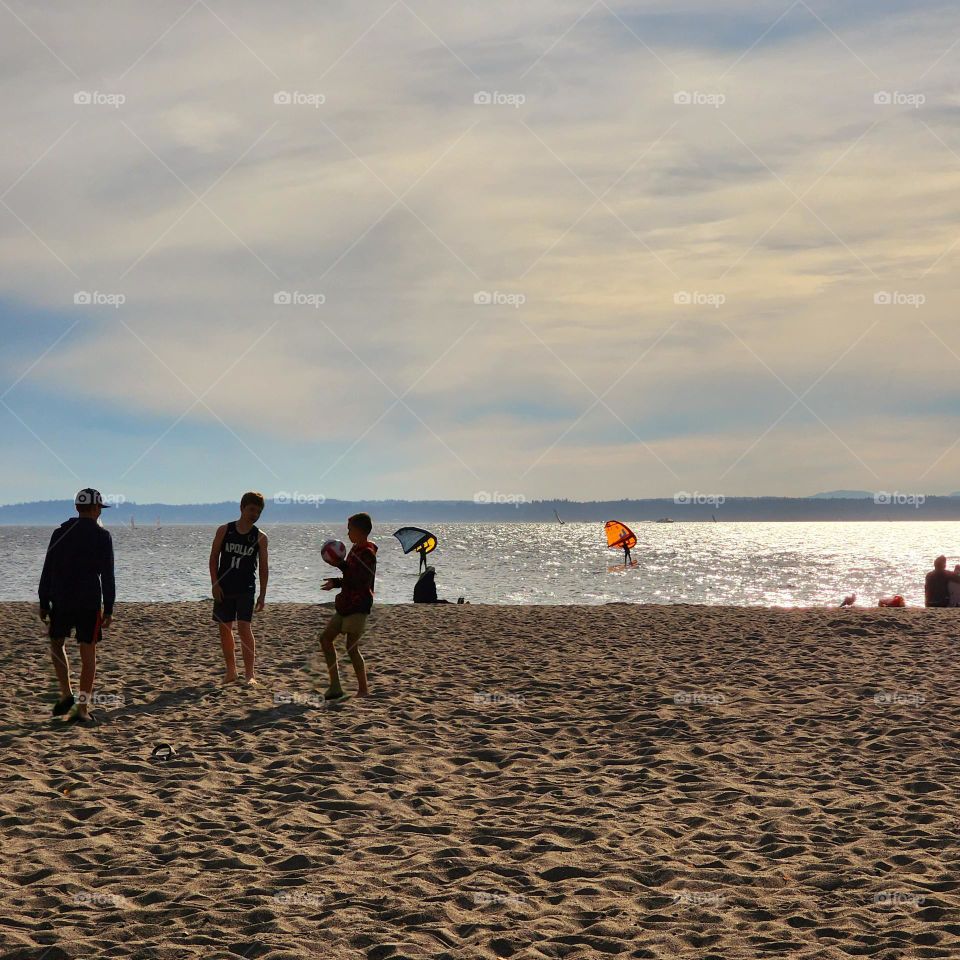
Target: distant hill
[[844, 495], [687, 507]]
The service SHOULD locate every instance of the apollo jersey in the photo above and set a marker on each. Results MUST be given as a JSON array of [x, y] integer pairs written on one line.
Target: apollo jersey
[[237, 566]]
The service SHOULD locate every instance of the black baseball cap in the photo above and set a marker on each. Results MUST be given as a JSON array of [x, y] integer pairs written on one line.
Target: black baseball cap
[[88, 497]]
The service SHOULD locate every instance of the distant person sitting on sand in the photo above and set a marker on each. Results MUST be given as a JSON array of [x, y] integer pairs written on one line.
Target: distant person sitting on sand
[[936, 587], [239, 547], [352, 605], [953, 588], [77, 576], [425, 590]]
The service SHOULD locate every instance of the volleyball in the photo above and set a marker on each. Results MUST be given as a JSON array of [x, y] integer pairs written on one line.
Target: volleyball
[[333, 552]]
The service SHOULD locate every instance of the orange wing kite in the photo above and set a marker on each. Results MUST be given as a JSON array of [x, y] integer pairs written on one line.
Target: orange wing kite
[[619, 535]]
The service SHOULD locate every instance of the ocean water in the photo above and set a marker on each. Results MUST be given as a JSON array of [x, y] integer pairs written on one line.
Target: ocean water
[[765, 564]]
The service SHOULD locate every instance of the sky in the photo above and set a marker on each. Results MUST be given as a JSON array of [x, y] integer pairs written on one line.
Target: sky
[[440, 250]]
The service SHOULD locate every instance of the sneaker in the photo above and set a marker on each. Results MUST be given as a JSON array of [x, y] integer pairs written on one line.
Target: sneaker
[[63, 706]]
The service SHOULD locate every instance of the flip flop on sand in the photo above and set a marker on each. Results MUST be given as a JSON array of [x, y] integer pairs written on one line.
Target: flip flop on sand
[[163, 752], [90, 720]]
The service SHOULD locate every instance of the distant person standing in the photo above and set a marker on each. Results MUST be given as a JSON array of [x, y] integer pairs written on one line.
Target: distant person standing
[[239, 548], [936, 587], [77, 593]]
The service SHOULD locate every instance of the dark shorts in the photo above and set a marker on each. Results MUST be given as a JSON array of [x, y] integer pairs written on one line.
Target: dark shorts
[[85, 622], [234, 608]]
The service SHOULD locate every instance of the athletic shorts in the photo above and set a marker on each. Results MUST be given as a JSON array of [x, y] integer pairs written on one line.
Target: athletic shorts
[[85, 622], [234, 608], [352, 623]]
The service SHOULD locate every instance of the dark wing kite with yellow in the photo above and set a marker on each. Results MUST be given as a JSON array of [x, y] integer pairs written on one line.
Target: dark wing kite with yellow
[[413, 538]]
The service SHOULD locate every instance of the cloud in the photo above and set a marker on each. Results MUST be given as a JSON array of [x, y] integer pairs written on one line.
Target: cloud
[[684, 257]]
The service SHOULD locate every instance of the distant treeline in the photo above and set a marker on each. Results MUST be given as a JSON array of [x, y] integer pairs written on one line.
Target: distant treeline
[[891, 507]]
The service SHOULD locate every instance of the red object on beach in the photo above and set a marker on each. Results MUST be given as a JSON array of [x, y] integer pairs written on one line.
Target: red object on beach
[[896, 601]]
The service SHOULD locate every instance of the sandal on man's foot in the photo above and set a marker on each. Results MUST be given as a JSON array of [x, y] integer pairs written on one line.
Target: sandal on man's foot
[[83, 719]]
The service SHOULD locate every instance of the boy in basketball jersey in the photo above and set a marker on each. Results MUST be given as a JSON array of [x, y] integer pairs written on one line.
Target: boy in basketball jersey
[[238, 548]]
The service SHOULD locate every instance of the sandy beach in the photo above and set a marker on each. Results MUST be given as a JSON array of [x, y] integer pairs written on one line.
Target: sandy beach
[[524, 781]]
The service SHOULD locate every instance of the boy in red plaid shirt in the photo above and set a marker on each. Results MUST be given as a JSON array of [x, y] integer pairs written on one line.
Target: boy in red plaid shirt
[[352, 605]]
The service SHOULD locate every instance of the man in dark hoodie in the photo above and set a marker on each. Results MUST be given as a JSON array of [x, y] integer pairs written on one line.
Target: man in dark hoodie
[[352, 605], [77, 592]]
